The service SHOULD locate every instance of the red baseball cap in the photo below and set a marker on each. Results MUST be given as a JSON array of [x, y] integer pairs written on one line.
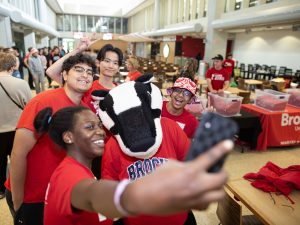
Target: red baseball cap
[[185, 83]]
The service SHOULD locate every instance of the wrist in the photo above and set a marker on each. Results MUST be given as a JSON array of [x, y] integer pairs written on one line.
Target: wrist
[[122, 198]]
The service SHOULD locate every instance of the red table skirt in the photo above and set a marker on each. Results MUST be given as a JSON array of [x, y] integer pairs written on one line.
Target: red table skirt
[[278, 128]]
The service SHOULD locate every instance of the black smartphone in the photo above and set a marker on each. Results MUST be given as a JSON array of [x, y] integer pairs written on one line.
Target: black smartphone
[[212, 129]]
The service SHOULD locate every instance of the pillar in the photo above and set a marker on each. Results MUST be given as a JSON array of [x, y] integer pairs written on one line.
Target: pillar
[[6, 34], [156, 14], [216, 40], [29, 39]]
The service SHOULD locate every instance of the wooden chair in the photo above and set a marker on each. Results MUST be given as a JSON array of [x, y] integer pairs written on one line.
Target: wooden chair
[[246, 97], [229, 212], [241, 84]]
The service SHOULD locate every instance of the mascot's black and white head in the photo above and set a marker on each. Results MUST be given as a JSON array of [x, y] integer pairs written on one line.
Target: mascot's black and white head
[[131, 111]]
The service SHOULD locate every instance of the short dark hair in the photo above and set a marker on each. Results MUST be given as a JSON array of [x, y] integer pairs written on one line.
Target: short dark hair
[[58, 123], [109, 48], [76, 59]]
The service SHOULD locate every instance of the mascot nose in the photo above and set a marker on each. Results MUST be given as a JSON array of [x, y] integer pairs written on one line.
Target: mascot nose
[[137, 134]]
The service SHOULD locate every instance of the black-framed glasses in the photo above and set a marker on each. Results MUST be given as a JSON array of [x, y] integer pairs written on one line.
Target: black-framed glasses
[[80, 70], [185, 92]]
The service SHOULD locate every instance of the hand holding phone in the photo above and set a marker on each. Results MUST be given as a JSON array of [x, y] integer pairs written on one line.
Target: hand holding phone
[[213, 129]]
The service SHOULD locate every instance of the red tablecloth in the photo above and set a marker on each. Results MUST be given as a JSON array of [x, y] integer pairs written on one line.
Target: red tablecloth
[[278, 128]]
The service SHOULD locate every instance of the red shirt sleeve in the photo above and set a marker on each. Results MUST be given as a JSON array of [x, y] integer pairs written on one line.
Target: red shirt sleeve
[[110, 167]]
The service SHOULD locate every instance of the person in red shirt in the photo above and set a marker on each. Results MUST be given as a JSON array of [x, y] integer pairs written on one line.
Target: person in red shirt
[[228, 64], [109, 59], [74, 197], [132, 66], [182, 93], [217, 76], [35, 157]]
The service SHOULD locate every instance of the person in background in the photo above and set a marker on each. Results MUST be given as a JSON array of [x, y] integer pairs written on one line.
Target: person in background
[[228, 64], [48, 58], [74, 196], [182, 93], [21, 63], [30, 78], [14, 95], [34, 157], [189, 69], [132, 66], [16, 72], [217, 76], [37, 70], [43, 58], [62, 52], [55, 56]]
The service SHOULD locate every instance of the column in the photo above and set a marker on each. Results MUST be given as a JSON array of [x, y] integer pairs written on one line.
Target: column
[[194, 8], [45, 41], [54, 42], [216, 40], [29, 39], [42, 11], [169, 13], [245, 4], [187, 10], [180, 11], [6, 34], [201, 8], [156, 15], [230, 5]]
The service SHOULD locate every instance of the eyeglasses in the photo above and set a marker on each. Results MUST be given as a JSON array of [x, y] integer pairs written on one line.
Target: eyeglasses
[[183, 91], [80, 70]]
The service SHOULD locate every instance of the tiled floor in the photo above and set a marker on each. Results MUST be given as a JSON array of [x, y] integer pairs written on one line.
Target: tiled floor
[[237, 165]]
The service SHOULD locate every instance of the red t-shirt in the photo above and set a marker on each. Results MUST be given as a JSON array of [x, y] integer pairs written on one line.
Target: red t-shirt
[[229, 65], [58, 208], [134, 75], [117, 166], [87, 97], [186, 120], [45, 156], [218, 77]]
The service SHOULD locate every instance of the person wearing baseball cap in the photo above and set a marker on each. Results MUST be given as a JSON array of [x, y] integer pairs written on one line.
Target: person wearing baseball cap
[[182, 93], [217, 76]]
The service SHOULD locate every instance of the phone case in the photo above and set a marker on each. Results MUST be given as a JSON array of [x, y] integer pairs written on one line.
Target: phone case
[[213, 129]]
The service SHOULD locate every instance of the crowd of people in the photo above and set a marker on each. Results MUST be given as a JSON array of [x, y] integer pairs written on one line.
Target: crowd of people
[[36, 61], [57, 142]]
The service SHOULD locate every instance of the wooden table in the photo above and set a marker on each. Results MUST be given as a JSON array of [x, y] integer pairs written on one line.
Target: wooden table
[[253, 82], [262, 206], [235, 90]]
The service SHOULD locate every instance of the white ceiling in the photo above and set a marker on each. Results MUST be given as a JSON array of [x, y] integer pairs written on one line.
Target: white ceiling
[[98, 7]]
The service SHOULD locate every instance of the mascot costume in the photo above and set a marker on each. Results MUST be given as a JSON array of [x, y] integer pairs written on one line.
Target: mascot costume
[[142, 139]]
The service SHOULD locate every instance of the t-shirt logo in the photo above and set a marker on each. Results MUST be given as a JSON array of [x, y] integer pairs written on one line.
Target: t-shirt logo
[[217, 77], [141, 168]]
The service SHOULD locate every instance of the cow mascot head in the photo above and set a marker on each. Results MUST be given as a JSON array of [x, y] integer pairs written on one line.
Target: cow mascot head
[[131, 112]]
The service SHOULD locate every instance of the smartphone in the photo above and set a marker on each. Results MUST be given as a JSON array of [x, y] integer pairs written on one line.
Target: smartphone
[[212, 129]]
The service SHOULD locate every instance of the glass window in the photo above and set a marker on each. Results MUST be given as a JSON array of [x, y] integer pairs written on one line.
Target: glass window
[[67, 22], [238, 5], [60, 22], [125, 26], [75, 24], [90, 24], [101, 24], [253, 3], [118, 25], [82, 23], [111, 25]]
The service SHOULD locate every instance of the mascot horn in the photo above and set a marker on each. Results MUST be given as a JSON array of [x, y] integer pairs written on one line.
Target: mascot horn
[[131, 112]]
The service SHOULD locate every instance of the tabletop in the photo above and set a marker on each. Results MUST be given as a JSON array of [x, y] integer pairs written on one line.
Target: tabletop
[[269, 208]]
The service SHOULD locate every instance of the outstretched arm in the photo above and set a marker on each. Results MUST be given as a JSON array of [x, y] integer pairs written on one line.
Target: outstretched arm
[[54, 71], [173, 187]]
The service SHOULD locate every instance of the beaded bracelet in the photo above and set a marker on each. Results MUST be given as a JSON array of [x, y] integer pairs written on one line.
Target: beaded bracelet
[[118, 194]]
